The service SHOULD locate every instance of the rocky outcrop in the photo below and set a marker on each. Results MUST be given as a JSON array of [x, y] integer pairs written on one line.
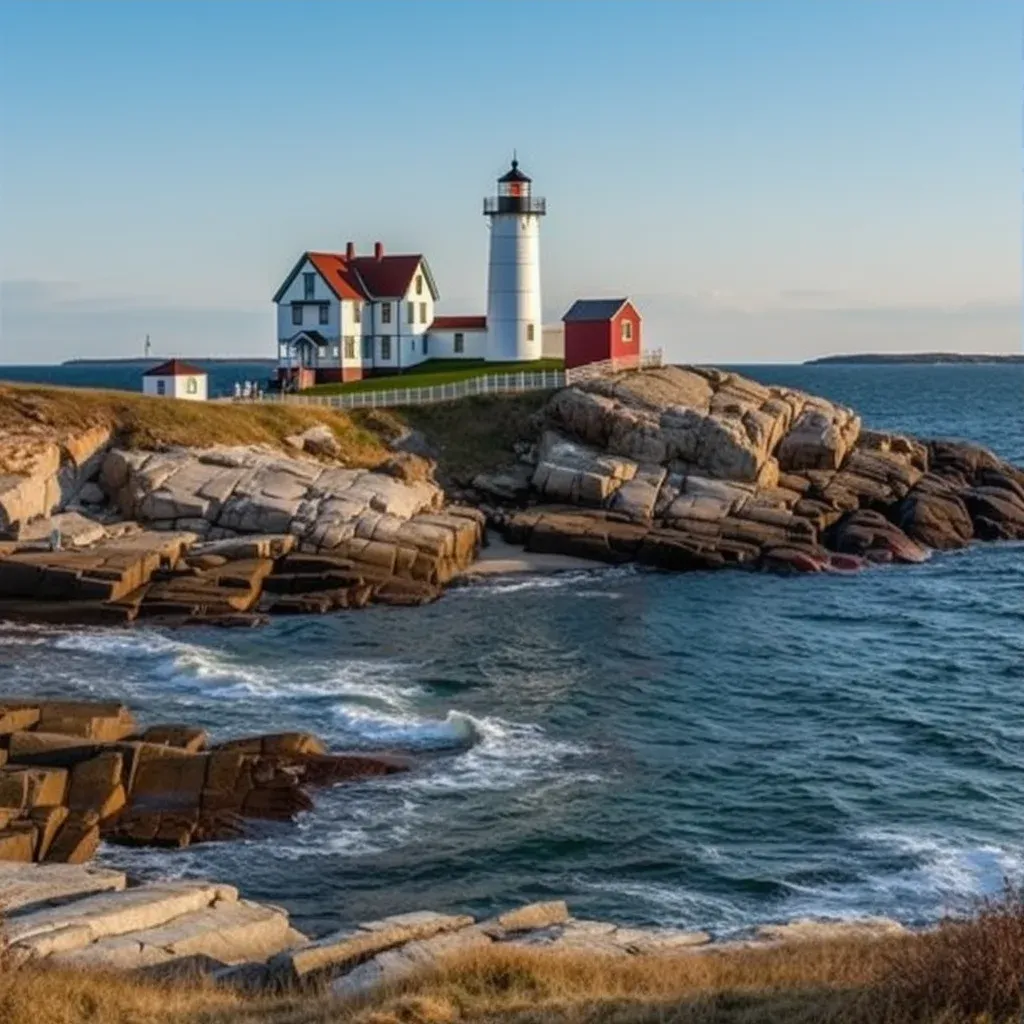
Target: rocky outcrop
[[72, 772], [699, 469], [232, 533], [89, 917], [40, 475]]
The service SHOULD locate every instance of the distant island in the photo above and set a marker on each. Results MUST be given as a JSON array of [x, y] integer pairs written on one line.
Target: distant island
[[141, 361], [916, 357]]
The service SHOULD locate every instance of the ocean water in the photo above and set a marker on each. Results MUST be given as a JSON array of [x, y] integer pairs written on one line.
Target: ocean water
[[222, 377], [703, 750]]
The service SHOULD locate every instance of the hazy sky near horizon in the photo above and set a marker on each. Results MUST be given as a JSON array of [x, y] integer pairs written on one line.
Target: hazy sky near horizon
[[769, 180]]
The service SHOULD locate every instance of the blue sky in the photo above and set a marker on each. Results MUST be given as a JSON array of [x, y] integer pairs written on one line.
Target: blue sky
[[769, 180]]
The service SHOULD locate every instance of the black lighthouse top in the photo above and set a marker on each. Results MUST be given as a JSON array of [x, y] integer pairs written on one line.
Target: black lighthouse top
[[514, 195], [514, 174]]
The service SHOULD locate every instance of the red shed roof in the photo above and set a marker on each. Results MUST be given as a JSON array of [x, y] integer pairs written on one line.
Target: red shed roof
[[175, 368], [594, 309], [459, 323]]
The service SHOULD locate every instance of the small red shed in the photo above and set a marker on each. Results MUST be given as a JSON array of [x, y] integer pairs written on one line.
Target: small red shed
[[602, 329]]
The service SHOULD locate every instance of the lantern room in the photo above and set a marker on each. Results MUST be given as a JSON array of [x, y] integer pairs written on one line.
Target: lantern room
[[514, 195]]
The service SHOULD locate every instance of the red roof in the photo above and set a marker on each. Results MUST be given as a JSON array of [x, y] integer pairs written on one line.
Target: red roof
[[388, 277], [364, 277], [459, 323], [175, 368], [335, 270]]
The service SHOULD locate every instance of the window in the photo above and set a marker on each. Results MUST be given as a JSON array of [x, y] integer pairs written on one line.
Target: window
[[161, 387], [460, 339], [385, 349], [410, 312], [627, 330], [385, 312], [296, 314], [419, 284], [426, 344], [412, 345], [357, 312], [191, 386], [423, 312], [529, 332], [308, 284], [367, 348], [324, 312], [350, 347], [334, 351]]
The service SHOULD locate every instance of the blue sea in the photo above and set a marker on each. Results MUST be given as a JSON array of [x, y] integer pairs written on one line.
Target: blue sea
[[705, 750]]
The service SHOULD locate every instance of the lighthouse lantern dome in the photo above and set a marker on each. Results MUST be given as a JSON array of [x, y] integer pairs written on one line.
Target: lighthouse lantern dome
[[514, 182]]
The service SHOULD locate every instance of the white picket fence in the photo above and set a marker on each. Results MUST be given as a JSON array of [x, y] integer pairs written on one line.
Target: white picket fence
[[489, 384]]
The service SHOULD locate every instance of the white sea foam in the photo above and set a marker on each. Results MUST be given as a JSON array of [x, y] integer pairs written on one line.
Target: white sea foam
[[950, 869], [505, 755], [674, 906], [391, 730], [514, 583]]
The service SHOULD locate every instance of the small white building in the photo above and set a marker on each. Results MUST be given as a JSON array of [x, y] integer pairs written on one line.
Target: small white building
[[176, 379]]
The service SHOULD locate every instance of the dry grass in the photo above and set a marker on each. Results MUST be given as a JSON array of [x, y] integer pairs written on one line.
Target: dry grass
[[144, 422], [964, 972], [470, 434]]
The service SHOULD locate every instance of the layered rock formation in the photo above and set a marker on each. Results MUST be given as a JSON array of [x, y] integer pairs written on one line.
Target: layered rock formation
[[90, 918], [72, 772], [697, 469], [222, 533], [673, 468]]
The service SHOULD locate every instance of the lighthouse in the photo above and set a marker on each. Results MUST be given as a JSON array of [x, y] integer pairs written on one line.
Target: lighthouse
[[513, 275]]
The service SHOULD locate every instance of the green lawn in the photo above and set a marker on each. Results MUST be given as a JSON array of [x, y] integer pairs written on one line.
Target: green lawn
[[435, 371]]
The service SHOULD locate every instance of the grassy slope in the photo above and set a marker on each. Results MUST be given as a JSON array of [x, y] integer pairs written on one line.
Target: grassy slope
[[435, 371], [961, 973], [144, 422], [469, 435]]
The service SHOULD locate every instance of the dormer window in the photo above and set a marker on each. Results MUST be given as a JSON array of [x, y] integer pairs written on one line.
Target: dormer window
[[308, 285]]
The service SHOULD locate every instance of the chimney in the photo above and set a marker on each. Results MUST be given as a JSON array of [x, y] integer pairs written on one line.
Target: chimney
[[378, 250], [350, 250]]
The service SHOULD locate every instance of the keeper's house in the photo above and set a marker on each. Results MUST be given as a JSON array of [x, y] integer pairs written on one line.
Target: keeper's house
[[341, 317]]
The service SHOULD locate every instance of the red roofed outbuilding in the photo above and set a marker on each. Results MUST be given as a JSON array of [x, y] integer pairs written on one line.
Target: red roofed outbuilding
[[176, 379], [603, 330]]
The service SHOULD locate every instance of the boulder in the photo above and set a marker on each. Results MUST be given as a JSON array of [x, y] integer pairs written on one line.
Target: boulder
[[342, 950], [819, 439], [18, 842], [76, 840], [934, 514], [532, 917], [808, 930], [23, 888], [228, 931], [395, 964], [189, 738], [870, 535]]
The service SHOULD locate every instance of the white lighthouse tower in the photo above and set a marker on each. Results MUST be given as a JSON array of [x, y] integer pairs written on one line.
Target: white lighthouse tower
[[513, 277]]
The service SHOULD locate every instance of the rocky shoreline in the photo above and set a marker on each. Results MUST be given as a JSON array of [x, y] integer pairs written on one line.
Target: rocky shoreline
[[73, 773], [677, 469], [93, 918]]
